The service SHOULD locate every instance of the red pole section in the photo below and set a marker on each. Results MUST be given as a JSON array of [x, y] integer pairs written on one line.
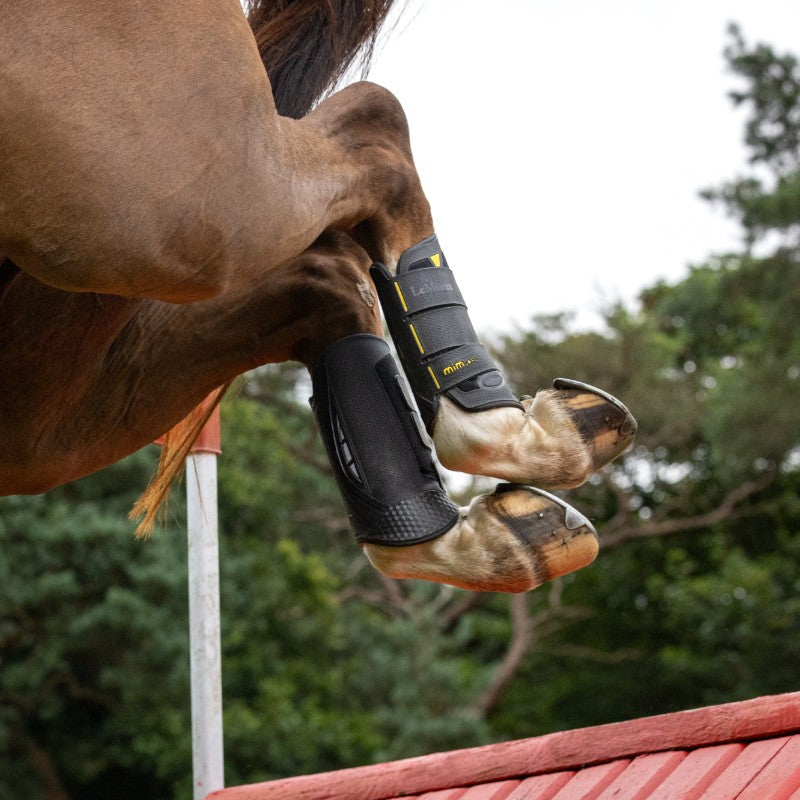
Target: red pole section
[[209, 439]]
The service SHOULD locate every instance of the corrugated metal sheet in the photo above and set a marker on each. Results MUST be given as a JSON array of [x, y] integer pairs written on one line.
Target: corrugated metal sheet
[[738, 751]]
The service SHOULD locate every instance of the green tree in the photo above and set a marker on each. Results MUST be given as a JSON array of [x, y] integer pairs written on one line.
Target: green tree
[[693, 597], [92, 644]]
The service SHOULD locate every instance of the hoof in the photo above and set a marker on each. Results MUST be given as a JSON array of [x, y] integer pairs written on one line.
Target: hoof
[[557, 537], [510, 541], [603, 422], [556, 441]]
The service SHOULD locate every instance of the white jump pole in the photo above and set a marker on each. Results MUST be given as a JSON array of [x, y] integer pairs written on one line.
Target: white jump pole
[[204, 617]]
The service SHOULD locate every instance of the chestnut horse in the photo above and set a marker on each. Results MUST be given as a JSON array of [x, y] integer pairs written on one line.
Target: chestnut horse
[[170, 217]]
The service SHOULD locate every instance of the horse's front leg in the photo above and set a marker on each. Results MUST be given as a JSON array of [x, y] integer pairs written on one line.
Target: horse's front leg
[[555, 440], [320, 309], [127, 370], [512, 540]]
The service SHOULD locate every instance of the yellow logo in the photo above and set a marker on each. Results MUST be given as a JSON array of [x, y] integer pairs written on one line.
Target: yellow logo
[[450, 369]]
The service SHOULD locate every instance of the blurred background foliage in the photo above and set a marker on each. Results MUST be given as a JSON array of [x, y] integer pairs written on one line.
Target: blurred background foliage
[[694, 599]]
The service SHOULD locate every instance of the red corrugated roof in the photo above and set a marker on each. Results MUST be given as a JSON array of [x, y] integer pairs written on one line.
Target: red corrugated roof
[[739, 751]]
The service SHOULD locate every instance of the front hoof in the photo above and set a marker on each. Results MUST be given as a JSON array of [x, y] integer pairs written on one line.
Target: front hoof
[[510, 541], [557, 538], [603, 422]]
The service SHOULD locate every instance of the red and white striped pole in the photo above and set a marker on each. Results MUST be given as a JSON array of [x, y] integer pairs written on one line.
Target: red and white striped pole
[[204, 615]]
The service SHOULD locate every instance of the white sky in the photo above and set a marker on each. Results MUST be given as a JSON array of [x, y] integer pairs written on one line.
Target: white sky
[[562, 144]]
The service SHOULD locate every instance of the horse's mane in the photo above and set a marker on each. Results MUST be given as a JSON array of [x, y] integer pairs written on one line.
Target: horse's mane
[[306, 47]]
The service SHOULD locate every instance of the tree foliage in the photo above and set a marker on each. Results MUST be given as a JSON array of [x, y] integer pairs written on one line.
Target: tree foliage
[[699, 605]]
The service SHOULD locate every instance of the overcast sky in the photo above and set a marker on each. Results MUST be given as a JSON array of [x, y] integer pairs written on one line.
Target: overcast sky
[[562, 143]]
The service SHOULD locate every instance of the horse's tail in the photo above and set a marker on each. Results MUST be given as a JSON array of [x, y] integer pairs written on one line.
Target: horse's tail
[[176, 445], [307, 45]]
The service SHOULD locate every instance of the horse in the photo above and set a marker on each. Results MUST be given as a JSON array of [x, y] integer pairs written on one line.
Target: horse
[[178, 205]]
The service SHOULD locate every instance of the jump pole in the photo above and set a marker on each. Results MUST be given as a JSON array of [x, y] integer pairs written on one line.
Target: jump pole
[[204, 617]]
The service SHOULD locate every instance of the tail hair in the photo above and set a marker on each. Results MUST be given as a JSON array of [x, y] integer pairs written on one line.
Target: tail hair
[[308, 45], [176, 445]]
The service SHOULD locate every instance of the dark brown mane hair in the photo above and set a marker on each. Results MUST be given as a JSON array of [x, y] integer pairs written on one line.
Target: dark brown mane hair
[[307, 45]]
